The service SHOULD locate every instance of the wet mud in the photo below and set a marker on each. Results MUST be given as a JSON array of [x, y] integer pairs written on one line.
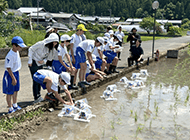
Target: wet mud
[[158, 111]]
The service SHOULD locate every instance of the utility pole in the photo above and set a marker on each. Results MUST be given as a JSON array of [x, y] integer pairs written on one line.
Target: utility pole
[[38, 1], [110, 15]]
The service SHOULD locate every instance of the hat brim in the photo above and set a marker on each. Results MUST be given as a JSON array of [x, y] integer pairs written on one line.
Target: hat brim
[[22, 45], [84, 29]]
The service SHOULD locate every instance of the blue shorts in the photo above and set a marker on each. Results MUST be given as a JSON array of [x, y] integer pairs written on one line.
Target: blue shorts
[[110, 56], [88, 74], [39, 78], [57, 67], [98, 63], [74, 65], [81, 58], [8, 88]]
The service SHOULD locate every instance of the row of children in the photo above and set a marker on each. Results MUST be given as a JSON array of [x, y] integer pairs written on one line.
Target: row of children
[[101, 54]]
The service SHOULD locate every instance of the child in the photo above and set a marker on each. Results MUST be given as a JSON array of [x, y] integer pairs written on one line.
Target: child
[[11, 84], [59, 64], [50, 80], [86, 46], [93, 74], [76, 39]]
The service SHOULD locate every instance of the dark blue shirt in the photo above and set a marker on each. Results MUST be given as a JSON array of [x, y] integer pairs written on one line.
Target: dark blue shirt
[[136, 51]]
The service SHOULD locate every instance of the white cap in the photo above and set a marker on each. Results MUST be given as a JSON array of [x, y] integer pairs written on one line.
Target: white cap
[[54, 36], [66, 77], [65, 37], [111, 32], [48, 28], [119, 37], [94, 57], [107, 35], [119, 26], [101, 40], [105, 39]]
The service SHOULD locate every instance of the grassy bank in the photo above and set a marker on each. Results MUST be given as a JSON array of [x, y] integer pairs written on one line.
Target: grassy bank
[[31, 37], [146, 38]]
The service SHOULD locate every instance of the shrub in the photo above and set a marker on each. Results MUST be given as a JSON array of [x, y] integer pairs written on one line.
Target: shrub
[[173, 30]]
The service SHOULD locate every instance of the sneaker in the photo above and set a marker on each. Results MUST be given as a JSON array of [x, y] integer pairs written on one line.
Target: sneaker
[[17, 108], [80, 84], [50, 97], [38, 100], [11, 111], [85, 83], [73, 87]]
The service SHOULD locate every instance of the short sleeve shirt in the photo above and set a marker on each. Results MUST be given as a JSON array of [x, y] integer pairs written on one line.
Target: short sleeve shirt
[[87, 45], [75, 40], [61, 51], [12, 60], [121, 33], [55, 79], [95, 52]]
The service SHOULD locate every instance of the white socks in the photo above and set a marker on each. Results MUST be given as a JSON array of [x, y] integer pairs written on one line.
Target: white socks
[[15, 105], [11, 108]]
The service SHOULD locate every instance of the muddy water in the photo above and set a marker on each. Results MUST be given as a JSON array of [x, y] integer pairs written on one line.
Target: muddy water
[[158, 111]]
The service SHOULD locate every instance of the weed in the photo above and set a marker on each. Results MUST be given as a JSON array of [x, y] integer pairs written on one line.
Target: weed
[[103, 132], [112, 124], [135, 116], [114, 138], [150, 125], [7, 124]]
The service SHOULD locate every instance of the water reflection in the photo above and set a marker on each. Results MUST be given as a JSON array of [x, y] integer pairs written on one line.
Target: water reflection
[[158, 111]]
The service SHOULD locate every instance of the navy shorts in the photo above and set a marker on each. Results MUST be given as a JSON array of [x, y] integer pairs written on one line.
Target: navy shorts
[[98, 63], [8, 88], [39, 78], [74, 65], [81, 58], [57, 67], [110, 56]]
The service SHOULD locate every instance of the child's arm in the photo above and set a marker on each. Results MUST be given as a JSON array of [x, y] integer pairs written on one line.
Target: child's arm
[[69, 95], [68, 58], [14, 81], [61, 61], [97, 71]]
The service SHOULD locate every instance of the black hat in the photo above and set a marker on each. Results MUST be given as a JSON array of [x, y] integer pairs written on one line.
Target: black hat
[[133, 29]]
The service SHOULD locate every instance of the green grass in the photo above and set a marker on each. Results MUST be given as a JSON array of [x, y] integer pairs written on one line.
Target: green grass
[[8, 124], [146, 38]]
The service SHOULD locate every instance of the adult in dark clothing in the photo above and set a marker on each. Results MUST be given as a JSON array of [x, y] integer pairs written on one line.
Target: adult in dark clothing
[[133, 37], [136, 53]]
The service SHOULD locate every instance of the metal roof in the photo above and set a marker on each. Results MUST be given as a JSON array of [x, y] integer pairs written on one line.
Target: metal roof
[[30, 9], [40, 14], [61, 15]]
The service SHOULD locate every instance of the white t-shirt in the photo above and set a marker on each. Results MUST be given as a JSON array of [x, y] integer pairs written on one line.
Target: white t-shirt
[[87, 45], [121, 33], [95, 52], [61, 51], [107, 46], [89, 67], [75, 40], [55, 79], [12, 60]]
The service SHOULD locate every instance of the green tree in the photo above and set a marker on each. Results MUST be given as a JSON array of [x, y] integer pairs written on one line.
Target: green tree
[[139, 13], [3, 5], [147, 24], [188, 11]]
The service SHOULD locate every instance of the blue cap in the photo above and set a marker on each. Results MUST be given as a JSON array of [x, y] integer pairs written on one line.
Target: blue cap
[[18, 40]]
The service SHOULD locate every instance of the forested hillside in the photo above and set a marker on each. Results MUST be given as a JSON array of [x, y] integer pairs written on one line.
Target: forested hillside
[[168, 9]]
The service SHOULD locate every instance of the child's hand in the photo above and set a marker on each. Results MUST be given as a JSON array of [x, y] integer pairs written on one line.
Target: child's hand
[[41, 62], [14, 82]]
